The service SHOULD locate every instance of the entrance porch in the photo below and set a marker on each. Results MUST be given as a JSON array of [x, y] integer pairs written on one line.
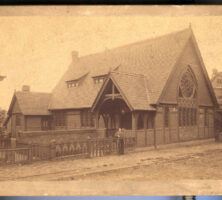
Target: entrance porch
[[115, 110]]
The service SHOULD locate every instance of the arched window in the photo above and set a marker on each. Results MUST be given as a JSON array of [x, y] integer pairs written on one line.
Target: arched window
[[187, 99]]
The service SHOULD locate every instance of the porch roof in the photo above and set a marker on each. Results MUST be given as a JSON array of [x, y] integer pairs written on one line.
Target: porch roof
[[134, 88]]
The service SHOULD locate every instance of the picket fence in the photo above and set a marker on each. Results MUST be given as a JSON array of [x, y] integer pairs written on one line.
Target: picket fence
[[79, 149]]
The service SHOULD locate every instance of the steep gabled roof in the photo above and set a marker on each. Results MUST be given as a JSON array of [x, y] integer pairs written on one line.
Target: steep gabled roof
[[130, 86], [134, 88], [31, 103], [154, 58]]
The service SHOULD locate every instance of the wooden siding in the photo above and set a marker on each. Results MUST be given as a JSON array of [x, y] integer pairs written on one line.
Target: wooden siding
[[73, 119], [33, 123], [189, 57]]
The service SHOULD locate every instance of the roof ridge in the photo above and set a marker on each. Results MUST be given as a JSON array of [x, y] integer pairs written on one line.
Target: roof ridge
[[31, 92], [127, 73], [136, 43], [81, 77]]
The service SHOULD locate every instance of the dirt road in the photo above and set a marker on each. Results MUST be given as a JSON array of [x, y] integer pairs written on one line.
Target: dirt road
[[191, 160], [205, 165]]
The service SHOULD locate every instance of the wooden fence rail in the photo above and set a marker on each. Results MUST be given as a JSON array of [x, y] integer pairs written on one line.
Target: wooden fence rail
[[13, 156], [88, 148]]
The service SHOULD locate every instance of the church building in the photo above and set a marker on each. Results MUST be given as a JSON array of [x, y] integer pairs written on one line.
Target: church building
[[156, 90]]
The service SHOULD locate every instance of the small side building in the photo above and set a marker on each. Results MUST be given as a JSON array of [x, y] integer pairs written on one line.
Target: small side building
[[28, 111]]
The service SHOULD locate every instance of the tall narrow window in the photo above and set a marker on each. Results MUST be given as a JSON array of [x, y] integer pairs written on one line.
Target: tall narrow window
[[205, 117], [184, 117], [92, 122], [191, 116], [60, 118], [87, 118], [166, 117], [188, 116], [18, 120], [45, 123], [195, 117]]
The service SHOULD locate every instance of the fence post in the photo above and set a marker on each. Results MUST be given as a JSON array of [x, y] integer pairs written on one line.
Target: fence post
[[13, 156], [52, 149], [13, 143], [89, 148], [6, 156], [30, 153]]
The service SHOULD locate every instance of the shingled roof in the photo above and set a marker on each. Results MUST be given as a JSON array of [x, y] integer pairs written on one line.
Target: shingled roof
[[31, 103], [153, 58]]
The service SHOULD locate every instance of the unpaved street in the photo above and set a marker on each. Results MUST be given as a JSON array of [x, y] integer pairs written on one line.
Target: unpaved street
[[189, 160], [206, 165]]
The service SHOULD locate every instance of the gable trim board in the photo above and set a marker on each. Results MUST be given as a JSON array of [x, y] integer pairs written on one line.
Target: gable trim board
[[163, 93], [12, 104], [102, 89], [203, 68]]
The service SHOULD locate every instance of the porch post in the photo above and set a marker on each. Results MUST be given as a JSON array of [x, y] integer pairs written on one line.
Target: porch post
[[145, 117], [135, 116], [117, 120], [97, 119]]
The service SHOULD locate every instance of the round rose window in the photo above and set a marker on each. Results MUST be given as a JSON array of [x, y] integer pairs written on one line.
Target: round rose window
[[187, 85]]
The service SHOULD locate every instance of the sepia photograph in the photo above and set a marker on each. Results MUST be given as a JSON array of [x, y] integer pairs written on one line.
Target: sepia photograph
[[108, 95], [116, 198]]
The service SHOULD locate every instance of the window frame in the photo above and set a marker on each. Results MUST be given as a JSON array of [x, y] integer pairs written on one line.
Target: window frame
[[60, 118], [87, 118], [17, 120], [166, 117]]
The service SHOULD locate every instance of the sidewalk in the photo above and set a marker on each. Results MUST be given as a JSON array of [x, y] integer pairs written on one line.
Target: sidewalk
[[60, 169]]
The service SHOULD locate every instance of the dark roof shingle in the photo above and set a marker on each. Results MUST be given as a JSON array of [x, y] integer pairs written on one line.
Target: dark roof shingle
[[153, 58], [33, 103]]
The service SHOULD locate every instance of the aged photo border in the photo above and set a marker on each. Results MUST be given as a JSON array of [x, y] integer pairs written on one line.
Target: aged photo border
[[186, 187]]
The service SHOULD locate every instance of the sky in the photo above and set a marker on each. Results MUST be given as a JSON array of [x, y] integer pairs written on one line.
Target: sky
[[36, 50]]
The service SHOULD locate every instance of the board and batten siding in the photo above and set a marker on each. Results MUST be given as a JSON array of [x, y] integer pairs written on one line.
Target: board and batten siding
[[73, 120], [33, 123]]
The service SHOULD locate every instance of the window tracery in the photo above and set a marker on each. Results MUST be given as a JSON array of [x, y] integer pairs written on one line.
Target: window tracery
[[187, 99], [187, 85]]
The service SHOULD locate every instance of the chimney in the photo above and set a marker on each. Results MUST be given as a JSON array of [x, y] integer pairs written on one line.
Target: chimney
[[25, 88], [75, 56], [215, 72]]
